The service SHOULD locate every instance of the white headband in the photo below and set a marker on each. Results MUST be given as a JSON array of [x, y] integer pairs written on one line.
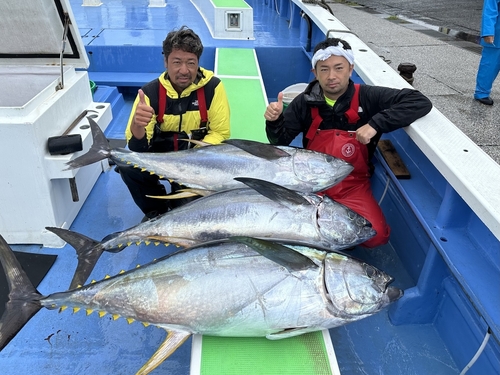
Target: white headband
[[338, 50]]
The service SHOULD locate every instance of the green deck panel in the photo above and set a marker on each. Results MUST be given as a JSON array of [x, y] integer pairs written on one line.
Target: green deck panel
[[300, 355], [248, 105], [233, 4], [237, 62]]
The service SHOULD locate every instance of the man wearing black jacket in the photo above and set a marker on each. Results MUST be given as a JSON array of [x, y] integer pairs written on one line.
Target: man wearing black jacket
[[345, 120]]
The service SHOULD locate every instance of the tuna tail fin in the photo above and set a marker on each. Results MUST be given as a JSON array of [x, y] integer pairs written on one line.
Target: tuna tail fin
[[87, 250], [100, 149], [24, 299]]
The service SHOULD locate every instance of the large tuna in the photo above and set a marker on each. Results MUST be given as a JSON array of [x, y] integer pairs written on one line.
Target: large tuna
[[238, 287], [214, 167], [264, 210]]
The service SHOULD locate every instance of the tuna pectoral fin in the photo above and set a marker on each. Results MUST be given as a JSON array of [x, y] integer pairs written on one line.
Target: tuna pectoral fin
[[185, 193], [87, 250], [172, 342], [284, 256], [196, 142], [261, 150], [23, 297], [100, 149], [289, 333]]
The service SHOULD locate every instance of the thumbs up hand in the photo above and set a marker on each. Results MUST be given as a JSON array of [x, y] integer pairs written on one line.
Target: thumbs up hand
[[274, 109], [143, 112], [142, 116]]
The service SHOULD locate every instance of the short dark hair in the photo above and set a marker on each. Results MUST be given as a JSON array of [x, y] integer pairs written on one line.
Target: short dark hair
[[184, 39], [329, 42]]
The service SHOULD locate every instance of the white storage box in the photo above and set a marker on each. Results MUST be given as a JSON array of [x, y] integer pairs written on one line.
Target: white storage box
[[40, 100]]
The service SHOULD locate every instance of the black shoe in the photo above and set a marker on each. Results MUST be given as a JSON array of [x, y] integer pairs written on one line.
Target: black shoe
[[485, 101]]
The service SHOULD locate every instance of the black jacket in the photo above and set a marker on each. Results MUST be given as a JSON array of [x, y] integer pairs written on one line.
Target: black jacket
[[385, 109]]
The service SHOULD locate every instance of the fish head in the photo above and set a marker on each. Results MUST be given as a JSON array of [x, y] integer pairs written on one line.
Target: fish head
[[319, 170], [356, 289], [340, 227]]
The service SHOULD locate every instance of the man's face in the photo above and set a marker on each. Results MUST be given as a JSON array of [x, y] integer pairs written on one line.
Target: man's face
[[182, 68], [333, 75]]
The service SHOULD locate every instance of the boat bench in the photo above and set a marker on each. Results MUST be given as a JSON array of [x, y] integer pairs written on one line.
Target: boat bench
[[125, 65], [122, 79], [239, 71]]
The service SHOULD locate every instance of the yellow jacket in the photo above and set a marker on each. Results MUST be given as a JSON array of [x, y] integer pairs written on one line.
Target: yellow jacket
[[182, 113]]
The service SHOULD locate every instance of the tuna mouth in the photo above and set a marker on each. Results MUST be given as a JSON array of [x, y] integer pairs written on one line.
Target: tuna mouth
[[393, 293]]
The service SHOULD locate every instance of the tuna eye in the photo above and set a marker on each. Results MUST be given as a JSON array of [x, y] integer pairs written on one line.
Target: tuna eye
[[370, 271]]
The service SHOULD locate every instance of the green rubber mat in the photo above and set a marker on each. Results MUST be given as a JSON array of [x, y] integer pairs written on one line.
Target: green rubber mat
[[237, 62], [247, 108], [230, 4], [238, 70], [300, 355]]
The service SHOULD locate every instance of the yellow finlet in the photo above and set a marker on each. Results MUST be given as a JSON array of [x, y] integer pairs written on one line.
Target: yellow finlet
[[130, 320], [115, 316], [89, 311], [102, 313], [76, 309]]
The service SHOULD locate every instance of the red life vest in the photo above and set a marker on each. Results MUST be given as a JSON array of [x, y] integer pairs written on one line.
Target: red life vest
[[174, 136], [162, 104], [341, 144]]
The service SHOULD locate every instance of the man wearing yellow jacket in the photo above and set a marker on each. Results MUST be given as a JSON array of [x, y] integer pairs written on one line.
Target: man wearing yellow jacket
[[185, 102]]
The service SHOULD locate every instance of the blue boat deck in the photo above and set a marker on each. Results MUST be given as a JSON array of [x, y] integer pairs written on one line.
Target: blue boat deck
[[123, 39]]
